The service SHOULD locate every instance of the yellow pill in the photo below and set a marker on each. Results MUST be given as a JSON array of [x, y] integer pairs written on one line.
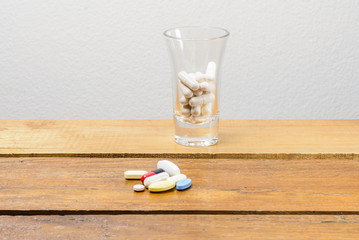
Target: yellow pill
[[134, 174], [161, 186]]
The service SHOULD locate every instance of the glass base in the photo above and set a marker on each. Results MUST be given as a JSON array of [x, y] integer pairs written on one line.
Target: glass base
[[193, 142]]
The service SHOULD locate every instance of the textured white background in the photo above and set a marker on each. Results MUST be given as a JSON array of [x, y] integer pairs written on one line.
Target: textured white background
[[108, 60]]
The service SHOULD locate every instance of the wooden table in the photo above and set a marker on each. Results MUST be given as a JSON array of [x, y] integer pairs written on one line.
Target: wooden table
[[272, 179]]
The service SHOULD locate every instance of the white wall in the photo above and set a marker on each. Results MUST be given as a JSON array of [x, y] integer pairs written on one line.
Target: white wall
[[107, 59]]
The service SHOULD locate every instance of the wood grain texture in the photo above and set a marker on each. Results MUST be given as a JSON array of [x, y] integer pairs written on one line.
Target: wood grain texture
[[179, 227], [230, 185], [282, 139]]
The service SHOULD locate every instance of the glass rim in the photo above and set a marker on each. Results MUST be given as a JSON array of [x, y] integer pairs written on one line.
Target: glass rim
[[226, 33]]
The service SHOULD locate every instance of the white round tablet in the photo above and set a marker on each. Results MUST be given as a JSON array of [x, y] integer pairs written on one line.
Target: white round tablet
[[138, 188]]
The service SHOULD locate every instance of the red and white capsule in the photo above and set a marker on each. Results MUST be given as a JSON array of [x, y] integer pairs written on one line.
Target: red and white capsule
[[149, 174]]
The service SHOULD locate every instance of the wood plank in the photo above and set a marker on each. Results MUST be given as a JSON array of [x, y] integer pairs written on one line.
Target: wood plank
[[154, 138], [179, 227], [231, 185]]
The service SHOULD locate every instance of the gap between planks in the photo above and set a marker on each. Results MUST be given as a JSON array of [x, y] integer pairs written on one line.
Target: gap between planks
[[166, 212], [272, 156]]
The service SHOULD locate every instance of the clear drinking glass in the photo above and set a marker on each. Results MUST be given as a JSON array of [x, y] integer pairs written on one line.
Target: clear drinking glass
[[196, 54]]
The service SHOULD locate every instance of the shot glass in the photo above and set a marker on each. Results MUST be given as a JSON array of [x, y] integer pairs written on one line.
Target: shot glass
[[196, 54]]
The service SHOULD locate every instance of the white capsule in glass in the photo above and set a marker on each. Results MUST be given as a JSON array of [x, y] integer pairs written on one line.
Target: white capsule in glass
[[186, 110], [188, 80], [183, 100], [198, 92], [185, 90], [200, 100], [200, 77], [206, 109], [211, 71], [196, 111]]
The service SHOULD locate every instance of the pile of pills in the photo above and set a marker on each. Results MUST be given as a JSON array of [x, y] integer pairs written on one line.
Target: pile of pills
[[164, 178], [197, 93]]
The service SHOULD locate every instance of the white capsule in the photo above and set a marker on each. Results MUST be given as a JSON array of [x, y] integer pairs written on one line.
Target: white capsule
[[185, 90], [211, 71], [200, 100], [200, 119], [186, 110], [206, 109], [134, 174], [204, 86], [196, 111], [177, 178], [200, 77], [183, 100], [188, 80], [198, 92], [169, 167], [207, 87], [138, 188], [155, 178]]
